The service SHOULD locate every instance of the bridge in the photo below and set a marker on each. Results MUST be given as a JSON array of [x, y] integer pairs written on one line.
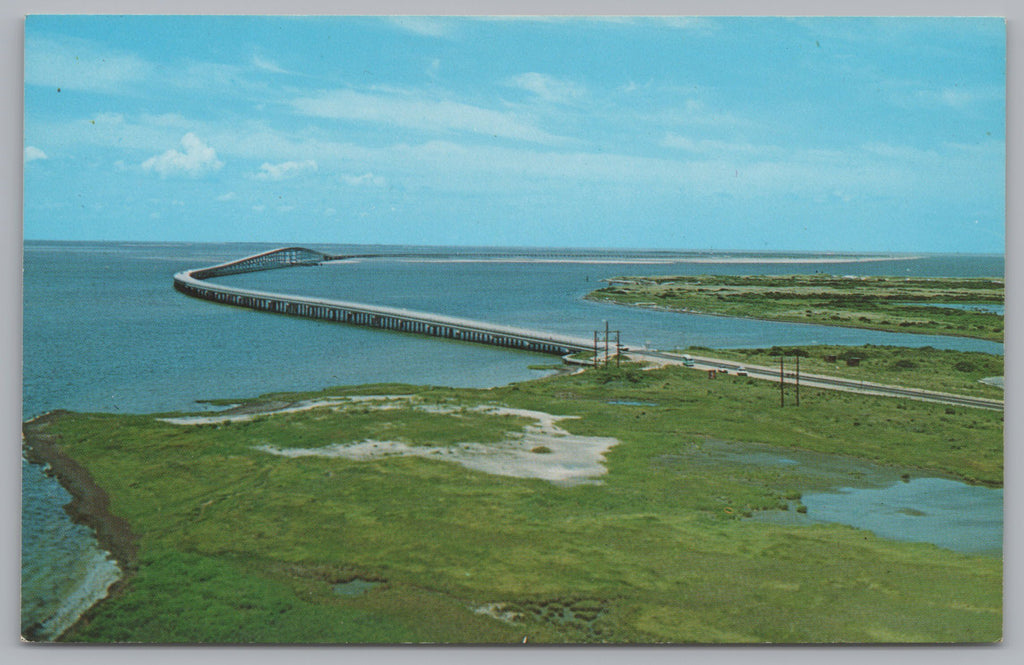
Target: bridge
[[193, 283], [276, 258]]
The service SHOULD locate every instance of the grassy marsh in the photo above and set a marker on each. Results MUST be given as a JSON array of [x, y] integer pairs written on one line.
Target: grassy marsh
[[896, 304], [235, 545], [958, 372]]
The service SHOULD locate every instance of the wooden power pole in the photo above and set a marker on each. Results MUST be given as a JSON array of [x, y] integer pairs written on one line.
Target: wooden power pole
[[782, 380], [798, 380]]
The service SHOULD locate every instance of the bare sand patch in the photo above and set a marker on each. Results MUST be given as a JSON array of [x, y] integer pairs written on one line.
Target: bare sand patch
[[542, 450], [251, 413]]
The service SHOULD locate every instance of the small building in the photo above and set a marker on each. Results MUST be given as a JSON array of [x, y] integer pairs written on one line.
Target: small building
[[852, 362]]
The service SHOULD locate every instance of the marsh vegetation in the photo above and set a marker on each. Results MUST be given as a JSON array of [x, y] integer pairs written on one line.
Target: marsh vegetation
[[934, 306], [238, 545]]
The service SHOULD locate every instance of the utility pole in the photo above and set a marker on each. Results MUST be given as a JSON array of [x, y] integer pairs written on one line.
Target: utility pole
[[798, 380], [606, 343], [607, 346], [782, 381]]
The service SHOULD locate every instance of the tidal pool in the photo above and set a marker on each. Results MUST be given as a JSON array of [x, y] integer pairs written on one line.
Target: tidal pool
[[354, 587], [968, 307], [890, 502], [947, 513]]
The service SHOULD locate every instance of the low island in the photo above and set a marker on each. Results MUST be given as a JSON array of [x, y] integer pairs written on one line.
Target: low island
[[617, 504], [968, 307]]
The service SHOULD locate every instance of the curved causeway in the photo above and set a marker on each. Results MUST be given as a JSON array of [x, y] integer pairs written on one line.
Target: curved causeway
[[193, 283]]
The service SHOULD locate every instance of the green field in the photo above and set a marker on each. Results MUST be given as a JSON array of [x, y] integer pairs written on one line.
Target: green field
[[896, 304], [238, 545], [957, 372]]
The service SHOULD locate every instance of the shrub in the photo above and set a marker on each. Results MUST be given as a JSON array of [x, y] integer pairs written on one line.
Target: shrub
[[780, 351]]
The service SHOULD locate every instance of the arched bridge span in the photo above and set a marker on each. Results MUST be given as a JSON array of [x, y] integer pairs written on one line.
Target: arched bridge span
[[193, 283], [284, 257]]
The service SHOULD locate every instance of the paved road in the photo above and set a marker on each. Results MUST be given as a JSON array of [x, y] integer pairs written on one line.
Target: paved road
[[819, 381]]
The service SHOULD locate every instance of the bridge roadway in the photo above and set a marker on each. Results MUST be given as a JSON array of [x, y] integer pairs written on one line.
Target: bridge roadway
[[193, 283]]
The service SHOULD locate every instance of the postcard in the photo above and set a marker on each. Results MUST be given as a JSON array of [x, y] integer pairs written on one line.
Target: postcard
[[513, 330]]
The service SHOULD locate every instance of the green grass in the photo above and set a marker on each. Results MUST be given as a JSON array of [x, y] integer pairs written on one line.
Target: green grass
[[241, 546], [957, 372], [322, 426], [895, 304]]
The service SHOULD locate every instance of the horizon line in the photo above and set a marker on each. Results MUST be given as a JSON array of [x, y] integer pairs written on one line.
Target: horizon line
[[732, 250]]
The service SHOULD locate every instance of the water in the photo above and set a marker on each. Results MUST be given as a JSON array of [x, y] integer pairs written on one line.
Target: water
[[549, 296], [356, 587], [947, 513], [861, 494], [968, 307], [104, 331]]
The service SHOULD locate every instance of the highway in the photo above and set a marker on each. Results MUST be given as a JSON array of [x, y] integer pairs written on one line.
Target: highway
[[193, 283], [819, 381]]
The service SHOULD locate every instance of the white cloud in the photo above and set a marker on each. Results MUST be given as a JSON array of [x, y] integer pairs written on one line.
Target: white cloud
[[33, 153], [698, 24], [77, 64], [197, 159], [546, 87], [162, 120], [428, 26], [957, 97], [259, 208], [230, 196], [633, 86], [711, 147], [284, 170], [268, 65], [406, 109], [672, 140], [365, 179]]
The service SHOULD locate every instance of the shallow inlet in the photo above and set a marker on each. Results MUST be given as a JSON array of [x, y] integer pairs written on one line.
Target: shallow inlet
[[947, 513], [894, 503], [967, 307]]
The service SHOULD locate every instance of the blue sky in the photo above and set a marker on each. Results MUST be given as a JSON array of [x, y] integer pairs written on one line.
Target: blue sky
[[678, 133]]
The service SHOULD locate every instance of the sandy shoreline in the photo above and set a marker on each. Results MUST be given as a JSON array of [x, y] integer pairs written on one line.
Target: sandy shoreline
[[741, 260], [89, 506]]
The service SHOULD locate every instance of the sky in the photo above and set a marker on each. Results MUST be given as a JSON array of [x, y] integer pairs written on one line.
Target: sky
[[810, 134]]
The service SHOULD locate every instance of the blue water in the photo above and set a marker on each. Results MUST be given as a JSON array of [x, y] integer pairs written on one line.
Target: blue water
[[549, 296], [969, 307], [947, 513], [105, 331]]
